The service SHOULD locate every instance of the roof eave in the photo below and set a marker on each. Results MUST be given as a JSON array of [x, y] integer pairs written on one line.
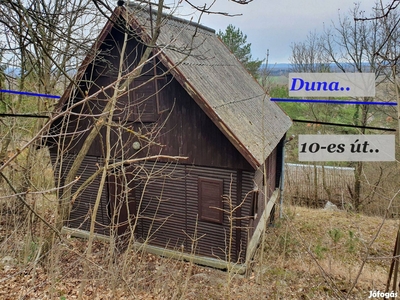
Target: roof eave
[[208, 110], [90, 56], [174, 69]]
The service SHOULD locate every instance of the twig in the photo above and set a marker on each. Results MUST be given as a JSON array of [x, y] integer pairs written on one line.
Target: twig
[[29, 207], [372, 241]]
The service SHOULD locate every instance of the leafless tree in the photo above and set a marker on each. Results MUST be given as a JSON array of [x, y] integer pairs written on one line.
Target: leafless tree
[[308, 56], [46, 41], [388, 52], [351, 46]]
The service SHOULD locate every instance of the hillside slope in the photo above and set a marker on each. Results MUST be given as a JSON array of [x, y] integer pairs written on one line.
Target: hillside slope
[[310, 254]]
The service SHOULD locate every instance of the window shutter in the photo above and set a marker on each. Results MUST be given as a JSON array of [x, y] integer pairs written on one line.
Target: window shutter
[[210, 200], [139, 103], [254, 204], [146, 107]]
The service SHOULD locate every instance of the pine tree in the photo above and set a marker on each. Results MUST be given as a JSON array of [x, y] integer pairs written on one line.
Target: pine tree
[[236, 41]]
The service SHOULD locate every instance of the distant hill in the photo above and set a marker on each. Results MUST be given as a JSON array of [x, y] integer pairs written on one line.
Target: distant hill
[[280, 69], [277, 69]]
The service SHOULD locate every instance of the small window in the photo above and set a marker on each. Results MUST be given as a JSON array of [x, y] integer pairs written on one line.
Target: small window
[[254, 204], [210, 200], [163, 92], [139, 103], [145, 108]]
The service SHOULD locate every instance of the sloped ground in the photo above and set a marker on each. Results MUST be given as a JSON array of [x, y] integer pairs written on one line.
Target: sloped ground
[[319, 253], [311, 254]]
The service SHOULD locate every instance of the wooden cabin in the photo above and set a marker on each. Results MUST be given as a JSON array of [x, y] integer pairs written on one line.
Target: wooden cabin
[[190, 140]]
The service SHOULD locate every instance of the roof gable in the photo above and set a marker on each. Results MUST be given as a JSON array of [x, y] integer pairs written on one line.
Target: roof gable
[[220, 85], [214, 78]]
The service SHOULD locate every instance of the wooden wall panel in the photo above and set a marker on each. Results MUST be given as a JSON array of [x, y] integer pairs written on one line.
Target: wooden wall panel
[[169, 210], [214, 237], [167, 196], [259, 184], [162, 205], [178, 126], [189, 132], [247, 188], [82, 208]]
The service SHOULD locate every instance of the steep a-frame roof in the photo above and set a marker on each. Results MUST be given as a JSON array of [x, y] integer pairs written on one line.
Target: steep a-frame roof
[[216, 80]]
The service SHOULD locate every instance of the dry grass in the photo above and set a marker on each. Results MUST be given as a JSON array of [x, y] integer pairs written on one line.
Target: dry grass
[[322, 251], [308, 255]]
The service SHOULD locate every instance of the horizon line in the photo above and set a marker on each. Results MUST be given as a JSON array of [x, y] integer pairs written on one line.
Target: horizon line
[[333, 101]]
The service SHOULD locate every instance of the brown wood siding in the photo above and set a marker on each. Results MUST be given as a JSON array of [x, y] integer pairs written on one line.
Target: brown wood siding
[[279, 161], [246, 223], [186, 129], [215, 237], [271, 173], [80, 215], [167, 206], [169, 210], [186, 132], [271, 166], [98, 75], [189, 132], [167, 200], [161, 205], [122, 201]]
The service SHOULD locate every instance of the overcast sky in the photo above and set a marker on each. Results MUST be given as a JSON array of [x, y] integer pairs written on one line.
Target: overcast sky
[[275, 25]]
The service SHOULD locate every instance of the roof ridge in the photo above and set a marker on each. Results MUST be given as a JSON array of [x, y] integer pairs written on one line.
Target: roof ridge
[[143, 5]]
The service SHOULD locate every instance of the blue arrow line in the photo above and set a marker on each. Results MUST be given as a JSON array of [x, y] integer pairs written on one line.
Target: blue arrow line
[[30, 94], [333, 101]]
